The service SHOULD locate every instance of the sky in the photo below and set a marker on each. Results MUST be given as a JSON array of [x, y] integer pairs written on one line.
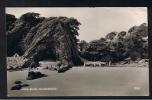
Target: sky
[[96, 22]]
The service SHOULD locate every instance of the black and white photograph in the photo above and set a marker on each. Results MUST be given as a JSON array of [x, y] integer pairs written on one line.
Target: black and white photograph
[[77, 51]]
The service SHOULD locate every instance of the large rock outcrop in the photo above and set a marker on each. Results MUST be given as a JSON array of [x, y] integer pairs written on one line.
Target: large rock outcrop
[[54, 38], [38, 38]]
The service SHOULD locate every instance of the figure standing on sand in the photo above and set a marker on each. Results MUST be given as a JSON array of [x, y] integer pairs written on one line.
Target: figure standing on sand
[[109, 63]]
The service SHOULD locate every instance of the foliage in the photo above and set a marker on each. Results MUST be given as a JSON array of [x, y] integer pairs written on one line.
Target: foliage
[[118, 46], [10, 20], [20, 29], [38, 38]]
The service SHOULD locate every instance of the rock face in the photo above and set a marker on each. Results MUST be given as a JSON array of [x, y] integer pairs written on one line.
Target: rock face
[[37, 38], [55, 38]]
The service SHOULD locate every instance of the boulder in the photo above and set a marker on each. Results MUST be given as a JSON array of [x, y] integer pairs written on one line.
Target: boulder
[[34, 75], [18, 82], [10, 68], [16, 87], [63, 68]]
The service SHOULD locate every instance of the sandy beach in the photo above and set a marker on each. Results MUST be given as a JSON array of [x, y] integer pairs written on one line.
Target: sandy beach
[[84, 81]]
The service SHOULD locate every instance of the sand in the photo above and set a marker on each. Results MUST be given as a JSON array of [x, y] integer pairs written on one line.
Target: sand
[[84, 81]]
